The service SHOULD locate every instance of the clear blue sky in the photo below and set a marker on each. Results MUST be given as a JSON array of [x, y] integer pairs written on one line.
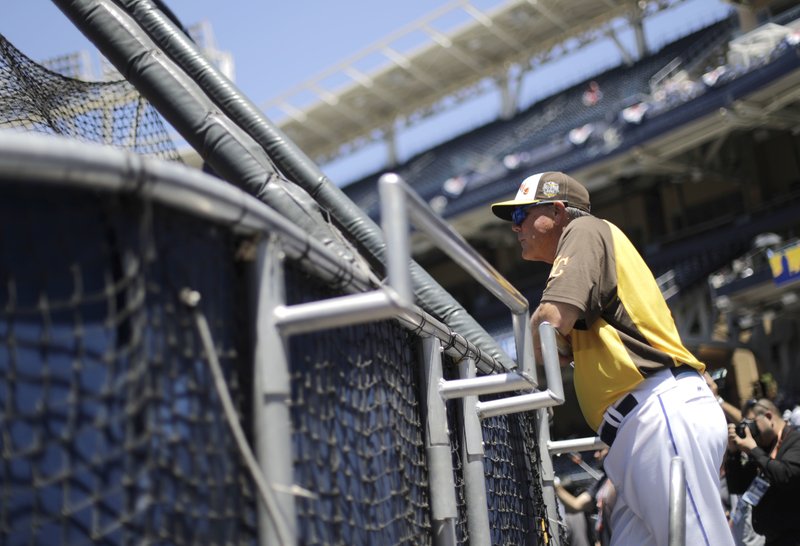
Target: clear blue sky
[[279, 44]]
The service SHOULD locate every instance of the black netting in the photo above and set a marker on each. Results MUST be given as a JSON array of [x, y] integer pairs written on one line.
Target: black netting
[[358, 435], [517, 513], [359, 442], [110, 429], [33, 98], [513, 484]]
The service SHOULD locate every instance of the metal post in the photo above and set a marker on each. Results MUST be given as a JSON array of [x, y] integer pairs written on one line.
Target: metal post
[[677, 503], [524, 346], [394, 220], [272, 394], [444, 509], [547, 336], [474, 473], [548, 474]]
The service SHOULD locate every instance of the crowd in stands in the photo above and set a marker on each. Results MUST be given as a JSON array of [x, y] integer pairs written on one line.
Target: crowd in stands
[[579, 124]]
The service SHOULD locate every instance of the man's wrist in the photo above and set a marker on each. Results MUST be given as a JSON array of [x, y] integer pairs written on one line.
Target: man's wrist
[[720, 400]]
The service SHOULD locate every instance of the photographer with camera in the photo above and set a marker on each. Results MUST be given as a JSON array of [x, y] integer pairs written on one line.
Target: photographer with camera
[[763, 464]]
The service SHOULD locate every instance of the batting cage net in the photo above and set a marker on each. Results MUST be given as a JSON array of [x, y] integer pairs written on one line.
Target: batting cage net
[[111, 431], [33, 98], [129, 411]]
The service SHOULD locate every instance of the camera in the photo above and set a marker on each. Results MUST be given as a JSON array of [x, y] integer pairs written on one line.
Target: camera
[[746, 423], [719, 376]]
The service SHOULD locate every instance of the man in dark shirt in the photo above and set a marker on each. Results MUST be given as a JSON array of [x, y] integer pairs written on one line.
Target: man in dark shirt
[[769, 475]]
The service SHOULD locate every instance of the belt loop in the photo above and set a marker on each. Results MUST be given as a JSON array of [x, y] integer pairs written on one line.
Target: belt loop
[[608, 430]]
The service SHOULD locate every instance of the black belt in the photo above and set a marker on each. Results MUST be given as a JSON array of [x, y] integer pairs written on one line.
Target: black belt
[[608, 431]]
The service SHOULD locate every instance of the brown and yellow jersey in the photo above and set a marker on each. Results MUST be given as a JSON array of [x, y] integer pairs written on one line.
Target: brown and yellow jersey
[[626, 331]]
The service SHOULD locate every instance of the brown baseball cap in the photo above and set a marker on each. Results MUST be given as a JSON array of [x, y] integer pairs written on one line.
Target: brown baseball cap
[[545, 188]]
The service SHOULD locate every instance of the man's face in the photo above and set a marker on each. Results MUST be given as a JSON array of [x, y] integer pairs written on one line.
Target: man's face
[[539, 232], [763, 422]]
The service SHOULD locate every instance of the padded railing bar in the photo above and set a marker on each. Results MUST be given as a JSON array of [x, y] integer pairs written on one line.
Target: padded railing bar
[[54, 160], [677, 503], [222, 125]]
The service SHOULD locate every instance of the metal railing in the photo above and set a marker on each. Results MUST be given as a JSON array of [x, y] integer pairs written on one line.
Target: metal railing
[[59, 162], [401, 208]]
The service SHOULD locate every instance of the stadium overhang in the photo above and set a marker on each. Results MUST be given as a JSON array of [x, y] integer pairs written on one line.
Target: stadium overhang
[[350, 106]]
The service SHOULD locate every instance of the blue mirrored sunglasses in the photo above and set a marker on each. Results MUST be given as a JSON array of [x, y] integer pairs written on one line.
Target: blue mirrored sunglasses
[[519, 214]]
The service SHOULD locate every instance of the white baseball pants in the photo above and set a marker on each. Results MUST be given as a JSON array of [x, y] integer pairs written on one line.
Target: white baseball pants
[[674, 416]]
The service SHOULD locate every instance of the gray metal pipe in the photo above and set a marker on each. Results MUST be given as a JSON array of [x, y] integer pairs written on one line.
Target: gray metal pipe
[[336, 312], [395, 222], [393, 188], [677, 503], [472, 455], [553, 396], [524, 346], [577, 444], [548, 475], [399, 203], [488, 384], [444, 508], [517, 404], [272, 394]]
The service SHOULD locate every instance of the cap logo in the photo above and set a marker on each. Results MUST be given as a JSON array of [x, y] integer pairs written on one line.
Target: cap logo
[[524, 188], [550, 188]]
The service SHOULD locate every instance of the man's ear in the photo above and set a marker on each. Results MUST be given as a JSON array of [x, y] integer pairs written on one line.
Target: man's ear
[[559, 208]]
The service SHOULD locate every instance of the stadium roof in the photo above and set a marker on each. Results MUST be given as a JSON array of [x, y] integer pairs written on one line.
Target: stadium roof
[[352, 105]]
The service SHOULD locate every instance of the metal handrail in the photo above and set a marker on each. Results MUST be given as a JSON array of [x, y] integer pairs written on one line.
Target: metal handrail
[[576, 444], [677, 503], [398, 202]]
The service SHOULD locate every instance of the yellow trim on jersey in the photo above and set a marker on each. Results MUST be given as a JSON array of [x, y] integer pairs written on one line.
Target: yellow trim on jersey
[[604, 370], [604, 367], [648, 310]]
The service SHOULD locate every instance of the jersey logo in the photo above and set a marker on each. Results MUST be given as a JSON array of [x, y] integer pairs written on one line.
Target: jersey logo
[[559, 265]]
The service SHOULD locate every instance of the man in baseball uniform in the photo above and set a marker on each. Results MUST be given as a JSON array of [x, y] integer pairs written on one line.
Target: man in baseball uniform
[[637, 385]]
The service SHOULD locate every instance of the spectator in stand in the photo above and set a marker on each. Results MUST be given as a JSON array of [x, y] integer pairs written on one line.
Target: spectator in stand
[[763, 464], [593, 94], [792, 414], [732, 413], [595, 505], [742, 523]]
